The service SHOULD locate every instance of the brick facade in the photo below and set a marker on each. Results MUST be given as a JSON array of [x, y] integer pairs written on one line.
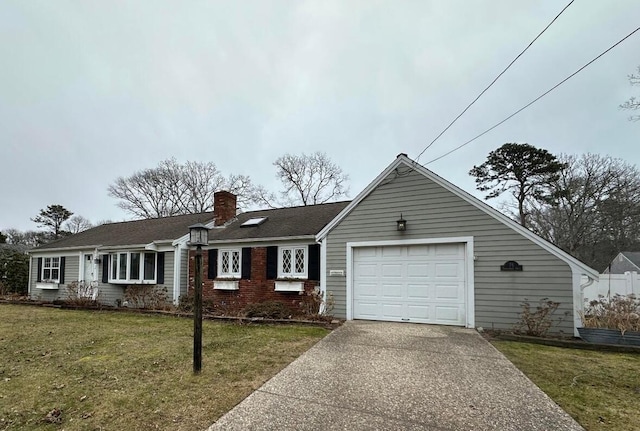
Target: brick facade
[[253, 290]]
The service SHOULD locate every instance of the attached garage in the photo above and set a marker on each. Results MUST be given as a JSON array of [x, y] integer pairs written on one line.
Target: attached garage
[[453, 261], [421, 283]]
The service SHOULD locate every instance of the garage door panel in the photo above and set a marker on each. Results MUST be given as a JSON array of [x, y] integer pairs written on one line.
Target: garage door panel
[[416, 283], [419, 250], [368, 310], [367, 253], [392, 251], [419, 270], [367, 290], [447, 270], [447, 314], [392, 311], [366, 270], [418, 313], [449, 250], [418, 292], [451, 292], [391, 270], [392, 291]]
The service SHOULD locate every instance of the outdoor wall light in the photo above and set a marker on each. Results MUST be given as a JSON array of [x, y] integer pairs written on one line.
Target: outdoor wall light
[[401, 224]]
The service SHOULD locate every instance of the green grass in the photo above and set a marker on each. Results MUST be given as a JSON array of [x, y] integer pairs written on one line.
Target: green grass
[[601, 390], [115, 371]]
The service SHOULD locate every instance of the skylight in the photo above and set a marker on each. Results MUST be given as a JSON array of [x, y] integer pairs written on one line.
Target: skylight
[[254, 221]]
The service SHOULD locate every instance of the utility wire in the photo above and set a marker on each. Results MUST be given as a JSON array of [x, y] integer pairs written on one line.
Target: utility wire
[[493, 82], [537, 98]]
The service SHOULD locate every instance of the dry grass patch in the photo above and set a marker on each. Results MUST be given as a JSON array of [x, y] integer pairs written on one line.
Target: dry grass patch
[[601, 390], [114, 371]]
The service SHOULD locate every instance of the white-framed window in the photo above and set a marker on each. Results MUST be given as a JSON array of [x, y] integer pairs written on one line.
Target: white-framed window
[[133, 267], [50, 270], [229, 263], [292, 262]]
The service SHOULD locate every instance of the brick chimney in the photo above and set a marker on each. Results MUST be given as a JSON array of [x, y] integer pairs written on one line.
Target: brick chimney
[[224, 207]]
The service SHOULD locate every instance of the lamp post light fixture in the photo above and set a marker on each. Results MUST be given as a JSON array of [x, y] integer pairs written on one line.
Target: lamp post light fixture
[[198, 236], [401, 224]]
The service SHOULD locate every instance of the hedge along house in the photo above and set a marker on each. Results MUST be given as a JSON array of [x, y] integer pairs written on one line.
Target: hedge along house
[[113, 256], [268, 255], [412, 247]]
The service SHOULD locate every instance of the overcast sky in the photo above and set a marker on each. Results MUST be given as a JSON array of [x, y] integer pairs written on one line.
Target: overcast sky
[[93, 90]]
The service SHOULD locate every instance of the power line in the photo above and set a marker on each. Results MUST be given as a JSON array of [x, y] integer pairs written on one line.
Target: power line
[[493, 82], [537, 98]]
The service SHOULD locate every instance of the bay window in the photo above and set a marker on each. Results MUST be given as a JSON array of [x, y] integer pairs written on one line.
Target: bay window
[[132, 267]]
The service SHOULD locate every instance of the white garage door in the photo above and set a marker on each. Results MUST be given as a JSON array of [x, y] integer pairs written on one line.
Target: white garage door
[[415, 283]]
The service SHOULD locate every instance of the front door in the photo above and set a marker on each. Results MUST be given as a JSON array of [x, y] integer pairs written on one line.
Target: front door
[[88, 268]]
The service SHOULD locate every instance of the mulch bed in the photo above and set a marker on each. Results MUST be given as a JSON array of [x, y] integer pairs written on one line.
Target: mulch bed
[[328, 324], [571, 343]]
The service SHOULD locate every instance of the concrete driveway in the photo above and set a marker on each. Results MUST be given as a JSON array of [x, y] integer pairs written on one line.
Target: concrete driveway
[[398, 376]]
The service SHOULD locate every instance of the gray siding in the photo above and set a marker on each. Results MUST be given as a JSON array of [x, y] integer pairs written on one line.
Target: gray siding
[[71, 268], [109, 294], [168, 274], [184, 271], [434, 212]]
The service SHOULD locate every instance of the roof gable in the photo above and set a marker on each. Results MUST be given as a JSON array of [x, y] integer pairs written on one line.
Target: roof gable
[[633, 257], [403, 160]]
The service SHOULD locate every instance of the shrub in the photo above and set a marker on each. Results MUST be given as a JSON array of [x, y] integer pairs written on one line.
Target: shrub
[[268, 309], [149, 296], [617, 312], [82, 294], [538, 321], [312, 302]]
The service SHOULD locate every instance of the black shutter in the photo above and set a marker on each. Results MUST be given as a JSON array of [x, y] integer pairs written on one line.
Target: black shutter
[[160, 269], [246, 263], [105, 268], [62, 261], [314, 262], [272, 262], [39, 277], [212, 270]]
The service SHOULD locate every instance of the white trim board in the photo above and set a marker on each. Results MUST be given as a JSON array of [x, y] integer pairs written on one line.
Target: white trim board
[[470, 316]]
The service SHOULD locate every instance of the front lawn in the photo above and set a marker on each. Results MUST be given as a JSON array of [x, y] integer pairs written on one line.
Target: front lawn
[[115, 371], [601, 390]]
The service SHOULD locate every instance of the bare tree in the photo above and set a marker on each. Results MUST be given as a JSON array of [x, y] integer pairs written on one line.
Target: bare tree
[[633, 104], [307, 180], [29, 238], [172, 188], [596, 213], [77, 223]]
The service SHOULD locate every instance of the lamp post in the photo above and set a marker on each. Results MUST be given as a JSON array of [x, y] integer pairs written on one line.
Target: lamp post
[[198, 236]]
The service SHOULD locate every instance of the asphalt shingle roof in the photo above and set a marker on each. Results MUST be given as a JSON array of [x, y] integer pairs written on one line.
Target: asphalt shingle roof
[[132, 232], [281, 222]]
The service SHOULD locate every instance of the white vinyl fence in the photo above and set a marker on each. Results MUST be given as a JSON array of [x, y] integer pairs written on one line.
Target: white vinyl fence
[[611, 284]]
